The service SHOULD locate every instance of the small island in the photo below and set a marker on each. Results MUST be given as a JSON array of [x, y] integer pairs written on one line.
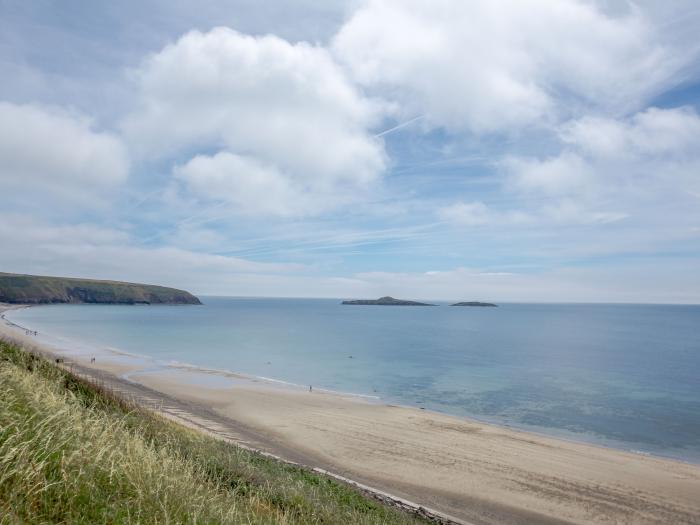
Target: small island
[[473, 303], [386, 301], [35, 289]]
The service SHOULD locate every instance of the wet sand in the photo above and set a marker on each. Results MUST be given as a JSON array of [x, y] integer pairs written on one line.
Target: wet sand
[[477, 472]]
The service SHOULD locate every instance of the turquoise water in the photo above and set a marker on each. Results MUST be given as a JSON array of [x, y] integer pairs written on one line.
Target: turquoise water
[[626, 376]]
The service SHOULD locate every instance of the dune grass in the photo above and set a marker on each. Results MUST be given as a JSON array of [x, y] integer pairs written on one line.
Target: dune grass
[[70, 453]]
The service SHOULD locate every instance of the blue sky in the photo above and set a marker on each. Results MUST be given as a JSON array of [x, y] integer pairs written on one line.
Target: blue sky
[[502, 150]]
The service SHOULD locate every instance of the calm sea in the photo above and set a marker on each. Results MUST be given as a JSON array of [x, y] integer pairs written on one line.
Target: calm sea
[[626, 376]]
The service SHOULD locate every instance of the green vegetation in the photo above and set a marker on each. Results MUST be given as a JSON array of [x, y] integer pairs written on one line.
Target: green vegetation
[[71, 453], [33, 289]]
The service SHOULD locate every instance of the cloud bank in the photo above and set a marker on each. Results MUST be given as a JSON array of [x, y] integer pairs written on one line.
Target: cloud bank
[[503, 65], [50, 151], [291, 132]]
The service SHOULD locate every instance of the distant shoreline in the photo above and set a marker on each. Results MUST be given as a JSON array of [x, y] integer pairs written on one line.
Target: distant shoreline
[[39, 289], [344, 433]]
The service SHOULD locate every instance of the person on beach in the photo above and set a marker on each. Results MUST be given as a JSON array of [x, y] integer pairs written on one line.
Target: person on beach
[[310, 388]]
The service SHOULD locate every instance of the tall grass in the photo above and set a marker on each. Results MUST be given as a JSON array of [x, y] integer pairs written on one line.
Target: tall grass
[[72, 454]]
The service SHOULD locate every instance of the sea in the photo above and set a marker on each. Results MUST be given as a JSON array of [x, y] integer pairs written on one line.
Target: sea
[[623, 376]]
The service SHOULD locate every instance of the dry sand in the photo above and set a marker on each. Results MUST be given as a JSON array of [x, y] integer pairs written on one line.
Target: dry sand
[[482, 473], [477, 472]]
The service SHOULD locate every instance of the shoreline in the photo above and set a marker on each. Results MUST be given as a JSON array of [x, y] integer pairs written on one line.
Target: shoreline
[[272, 383], [177, 365], [477, 471], [154, 366]]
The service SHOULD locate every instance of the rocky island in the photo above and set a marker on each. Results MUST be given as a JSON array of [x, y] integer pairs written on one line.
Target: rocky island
[[473, 303], [33, 289], [386, 301]]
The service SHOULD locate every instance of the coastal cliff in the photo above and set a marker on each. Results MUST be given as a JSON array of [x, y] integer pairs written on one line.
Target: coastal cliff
[[33, 289], [386, 301]]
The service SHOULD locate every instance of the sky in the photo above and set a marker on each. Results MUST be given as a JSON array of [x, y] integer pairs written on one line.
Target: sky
[[500, 150]]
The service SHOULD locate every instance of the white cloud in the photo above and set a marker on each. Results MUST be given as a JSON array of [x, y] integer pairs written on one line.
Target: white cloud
[[468, 214], [83, 250], [479, 214], [558, 212], [603, 155], [283, 117], [607, 170], [253, 187], [504, 64], [19, 230], [624, 282], [194, 237], [564, 174], [86, 250], [610, 169], [653, 133], [240, 180], [570, 211], [54, 151]]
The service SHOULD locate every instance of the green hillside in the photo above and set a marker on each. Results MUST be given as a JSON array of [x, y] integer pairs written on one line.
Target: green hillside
[[33, 289]]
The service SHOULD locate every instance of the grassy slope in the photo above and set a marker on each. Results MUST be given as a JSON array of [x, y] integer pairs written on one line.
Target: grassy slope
[[16, 288], [72, 454]]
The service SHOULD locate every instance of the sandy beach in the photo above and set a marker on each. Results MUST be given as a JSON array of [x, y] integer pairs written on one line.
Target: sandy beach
[[479, 473]]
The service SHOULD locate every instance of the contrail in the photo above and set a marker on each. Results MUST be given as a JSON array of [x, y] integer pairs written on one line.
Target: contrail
[[144, 199], [398, 126]]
